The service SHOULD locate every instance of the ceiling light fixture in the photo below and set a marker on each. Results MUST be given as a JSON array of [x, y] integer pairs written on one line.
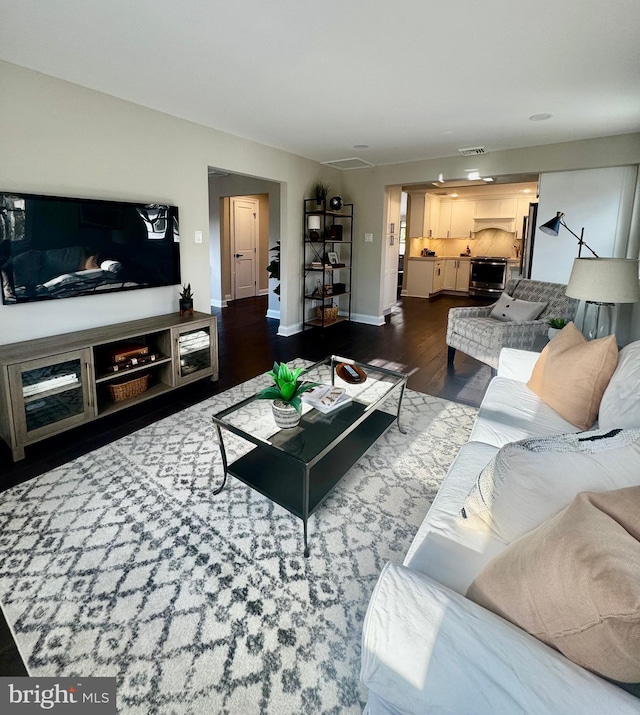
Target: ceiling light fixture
[[360, 146], [540, 117]]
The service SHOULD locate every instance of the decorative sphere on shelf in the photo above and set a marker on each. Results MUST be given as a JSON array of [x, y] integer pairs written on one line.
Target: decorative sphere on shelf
[[335, 203]]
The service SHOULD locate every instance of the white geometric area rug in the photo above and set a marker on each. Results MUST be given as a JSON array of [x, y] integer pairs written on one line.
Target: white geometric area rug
[[122, 563]]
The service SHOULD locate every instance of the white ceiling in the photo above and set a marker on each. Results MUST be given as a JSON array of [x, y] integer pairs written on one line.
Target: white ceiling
[[413, 79]]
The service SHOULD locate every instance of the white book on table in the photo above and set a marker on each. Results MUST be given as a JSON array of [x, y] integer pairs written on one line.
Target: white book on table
[[326, 398]]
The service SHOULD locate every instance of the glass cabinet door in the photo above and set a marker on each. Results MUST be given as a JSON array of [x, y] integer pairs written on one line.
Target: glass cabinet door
[[195, 352], [51, 394]]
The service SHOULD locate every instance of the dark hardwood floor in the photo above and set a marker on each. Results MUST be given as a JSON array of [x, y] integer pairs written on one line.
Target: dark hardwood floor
[[412, 340]]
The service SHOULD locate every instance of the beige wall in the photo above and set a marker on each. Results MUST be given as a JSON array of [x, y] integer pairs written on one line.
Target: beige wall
[[62, 139]]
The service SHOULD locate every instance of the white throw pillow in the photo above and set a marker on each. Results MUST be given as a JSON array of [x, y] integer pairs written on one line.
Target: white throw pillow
[[516, 310], [530, 481], [620, 404]]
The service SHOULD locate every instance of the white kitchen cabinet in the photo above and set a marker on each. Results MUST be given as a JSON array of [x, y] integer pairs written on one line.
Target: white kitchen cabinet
[[424, 214], [456, 275], [431, 216], [438, 276], [462, 219], [450, 273], [444, 219], [456, 219], [462, 276], [416, 214], [495, 208]]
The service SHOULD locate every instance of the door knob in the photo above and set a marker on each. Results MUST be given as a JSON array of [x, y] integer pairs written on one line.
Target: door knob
[[237, 255]]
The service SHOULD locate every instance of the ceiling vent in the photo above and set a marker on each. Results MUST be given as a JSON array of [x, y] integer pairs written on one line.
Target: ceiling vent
[[346, 164], [472, 150]]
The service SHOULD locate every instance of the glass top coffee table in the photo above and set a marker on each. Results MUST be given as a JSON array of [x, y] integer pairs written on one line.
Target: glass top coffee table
[[298, 468]]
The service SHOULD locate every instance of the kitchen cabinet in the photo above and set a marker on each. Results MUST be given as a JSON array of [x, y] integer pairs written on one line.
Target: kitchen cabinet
[[444, 219], [495, 208], [424, 277], [438, 276], [456, 275], [431, 216], [417, 205], [423, 215], [456, 219]]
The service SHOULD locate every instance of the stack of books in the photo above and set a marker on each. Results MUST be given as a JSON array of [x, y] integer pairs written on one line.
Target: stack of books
[[326, 398]]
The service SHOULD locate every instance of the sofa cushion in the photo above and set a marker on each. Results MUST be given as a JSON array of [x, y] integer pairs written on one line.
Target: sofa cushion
[[426, 649], [529, 481], [574, 583], [620, 405], [572, 373], [510, 412], [512, 309]]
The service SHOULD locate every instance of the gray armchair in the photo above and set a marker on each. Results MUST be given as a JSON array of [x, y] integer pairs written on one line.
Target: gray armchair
[[472, 331]]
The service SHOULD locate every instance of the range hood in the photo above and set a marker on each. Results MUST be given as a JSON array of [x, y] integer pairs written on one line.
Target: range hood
[[502, 223]]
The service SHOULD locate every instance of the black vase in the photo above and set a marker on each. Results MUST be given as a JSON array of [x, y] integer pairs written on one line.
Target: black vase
[[186, 306]]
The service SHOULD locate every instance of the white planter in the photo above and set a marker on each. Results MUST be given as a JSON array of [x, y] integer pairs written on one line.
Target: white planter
[[285, 415], [553, 332]]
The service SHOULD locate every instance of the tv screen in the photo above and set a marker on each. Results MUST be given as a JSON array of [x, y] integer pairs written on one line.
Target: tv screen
[[53, 247]]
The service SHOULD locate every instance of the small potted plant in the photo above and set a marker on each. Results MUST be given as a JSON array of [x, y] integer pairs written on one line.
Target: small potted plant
[[285, 393], [555, 326], [320, 190], [186, 300]]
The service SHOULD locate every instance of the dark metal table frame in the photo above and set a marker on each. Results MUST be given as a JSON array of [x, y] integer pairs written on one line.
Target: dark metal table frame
[[323, 458]]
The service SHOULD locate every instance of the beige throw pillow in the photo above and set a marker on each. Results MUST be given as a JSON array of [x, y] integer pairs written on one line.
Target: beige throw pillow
[[572, 374], [574, 583]]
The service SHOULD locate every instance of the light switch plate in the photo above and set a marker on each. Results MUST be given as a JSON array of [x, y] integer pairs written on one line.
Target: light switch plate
[[198, 236], [368, 238]]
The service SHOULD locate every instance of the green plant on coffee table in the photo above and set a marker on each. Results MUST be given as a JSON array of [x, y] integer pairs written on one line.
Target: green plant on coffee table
[[557, 323], [288, 387]]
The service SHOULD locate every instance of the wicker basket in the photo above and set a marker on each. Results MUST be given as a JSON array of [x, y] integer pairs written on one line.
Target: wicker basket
[[330, 313], [124, 390]]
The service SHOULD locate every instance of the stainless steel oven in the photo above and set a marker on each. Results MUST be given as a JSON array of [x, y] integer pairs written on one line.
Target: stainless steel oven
[[488, 276]]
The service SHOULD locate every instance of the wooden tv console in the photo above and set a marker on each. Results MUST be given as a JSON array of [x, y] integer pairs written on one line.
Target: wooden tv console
[[52, 384]]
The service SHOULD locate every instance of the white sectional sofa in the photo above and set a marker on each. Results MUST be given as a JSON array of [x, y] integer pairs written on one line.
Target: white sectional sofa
[[426, 648]]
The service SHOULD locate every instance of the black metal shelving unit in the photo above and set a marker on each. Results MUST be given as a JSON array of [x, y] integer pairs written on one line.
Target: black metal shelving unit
[[327, 285]]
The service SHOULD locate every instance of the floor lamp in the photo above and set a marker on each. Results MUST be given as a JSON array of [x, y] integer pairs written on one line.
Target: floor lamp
[[601, 283], [552, 228]]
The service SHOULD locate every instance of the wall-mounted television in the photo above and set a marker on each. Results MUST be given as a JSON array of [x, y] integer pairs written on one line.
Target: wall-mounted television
[[56, 247]]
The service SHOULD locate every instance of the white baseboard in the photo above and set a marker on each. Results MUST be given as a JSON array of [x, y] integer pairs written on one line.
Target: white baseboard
[[367, 319], [263, 291], [218, 303], [287, 331], [275, 314]]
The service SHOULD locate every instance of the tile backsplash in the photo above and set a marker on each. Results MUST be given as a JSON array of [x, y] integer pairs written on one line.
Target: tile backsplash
[[489, 242]]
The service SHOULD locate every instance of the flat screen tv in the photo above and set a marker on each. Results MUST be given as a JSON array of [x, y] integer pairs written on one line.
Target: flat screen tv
[[53, 247]]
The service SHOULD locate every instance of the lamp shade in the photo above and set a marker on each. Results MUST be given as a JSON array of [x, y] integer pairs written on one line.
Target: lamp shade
[[552, 227], [604, 280], [313, 223]]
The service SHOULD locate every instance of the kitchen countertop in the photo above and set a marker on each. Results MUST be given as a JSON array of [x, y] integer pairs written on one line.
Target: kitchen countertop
[[457, 258]]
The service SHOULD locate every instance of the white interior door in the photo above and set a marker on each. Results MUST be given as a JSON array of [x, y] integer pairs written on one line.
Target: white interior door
[[392, 246], [244, 242]]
